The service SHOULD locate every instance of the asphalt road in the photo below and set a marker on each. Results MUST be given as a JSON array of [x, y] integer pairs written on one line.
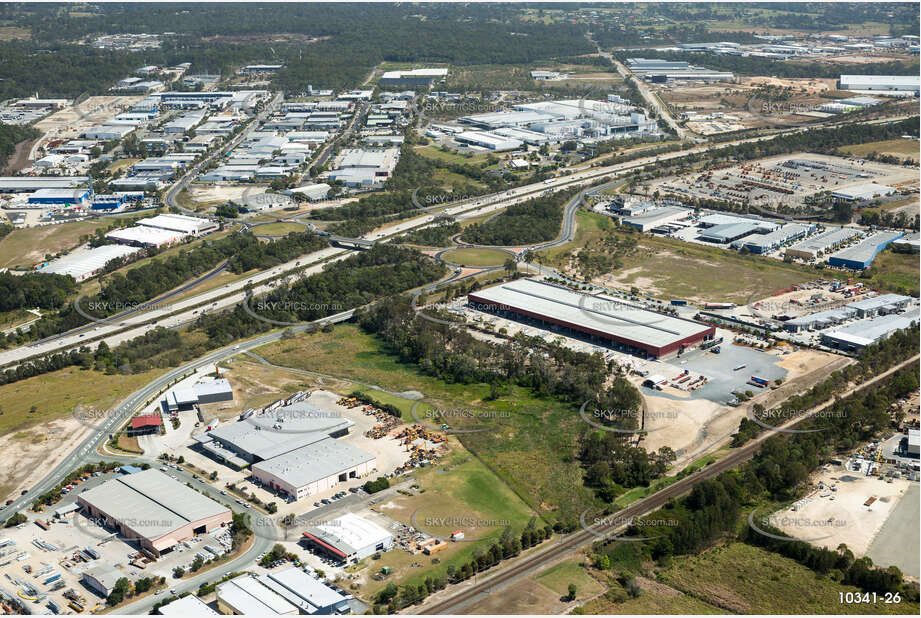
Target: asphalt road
[[169, 198]]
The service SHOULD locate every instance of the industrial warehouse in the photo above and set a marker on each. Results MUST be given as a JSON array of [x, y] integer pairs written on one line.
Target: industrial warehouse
[[349, 538], [287, 592], [314, 468], [155, 510], [622, 326], [261, 437], [162, 230]]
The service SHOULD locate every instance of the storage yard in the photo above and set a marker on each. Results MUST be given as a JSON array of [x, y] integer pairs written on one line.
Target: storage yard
[[786, 181], [850, 506]]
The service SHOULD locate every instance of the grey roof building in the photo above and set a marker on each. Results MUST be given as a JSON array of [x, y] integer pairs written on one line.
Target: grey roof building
[[314, 468], [619, 324], [270, 434], [154, 509], [858, 336]]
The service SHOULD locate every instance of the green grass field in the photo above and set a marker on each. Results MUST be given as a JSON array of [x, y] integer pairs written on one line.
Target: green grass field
[[896, 147], [589, 227], [476, 257], [749, 580], [559, 576], [279, 229], [460, 492], [898, 272], [529, 442], [53, 395]]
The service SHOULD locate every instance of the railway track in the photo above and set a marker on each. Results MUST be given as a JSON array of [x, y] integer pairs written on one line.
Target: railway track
[[567, 544]]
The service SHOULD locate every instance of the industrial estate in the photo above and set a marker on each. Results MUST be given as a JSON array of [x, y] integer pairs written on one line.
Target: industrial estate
[[576, 308]]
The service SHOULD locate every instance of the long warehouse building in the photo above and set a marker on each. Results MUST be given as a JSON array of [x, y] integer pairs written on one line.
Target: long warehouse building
[[620, 325], [830, 239], [349, 538], [153, 509], [861, 255], [314, 468]]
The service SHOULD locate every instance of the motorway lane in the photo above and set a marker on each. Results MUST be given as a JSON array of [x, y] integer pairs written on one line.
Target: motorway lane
[[185, 310], [120, 317], [485, 204]]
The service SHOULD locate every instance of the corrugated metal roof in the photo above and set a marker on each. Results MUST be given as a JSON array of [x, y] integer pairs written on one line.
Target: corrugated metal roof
[[611, 317], [249, 597], [315, 461], [277, 432], [151, 503]]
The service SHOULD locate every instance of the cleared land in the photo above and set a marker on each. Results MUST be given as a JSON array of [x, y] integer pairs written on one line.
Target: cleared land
[[530, 442], [37, 424], [476, 257], [23, 248], [670, 268], [279, 229], [895, 147]]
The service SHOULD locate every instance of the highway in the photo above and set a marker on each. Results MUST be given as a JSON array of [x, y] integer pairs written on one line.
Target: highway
[[184, 311], [456, 599], [467, 208]]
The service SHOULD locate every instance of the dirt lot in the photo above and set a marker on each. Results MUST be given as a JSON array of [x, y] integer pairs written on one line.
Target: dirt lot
[[26, 456], [829, 518], [735, 99], [69, 123], [694, 426], [212, 194]]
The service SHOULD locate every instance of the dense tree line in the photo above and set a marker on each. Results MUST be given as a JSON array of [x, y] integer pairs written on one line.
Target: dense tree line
[[778, 472], [437, 236], [122, 291], [335, 45], [343, 285], [42, 290], [455, 356], [394, 598], [536, 220], [12, 134]]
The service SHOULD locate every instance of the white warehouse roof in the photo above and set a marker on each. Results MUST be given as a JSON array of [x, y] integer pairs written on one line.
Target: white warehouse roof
[[351, 533], [314, 462], [248, 597], [178, 223], [83, 264]]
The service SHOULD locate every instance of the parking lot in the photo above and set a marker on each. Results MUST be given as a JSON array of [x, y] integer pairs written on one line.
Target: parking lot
[[783, 181], [30, 554]]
